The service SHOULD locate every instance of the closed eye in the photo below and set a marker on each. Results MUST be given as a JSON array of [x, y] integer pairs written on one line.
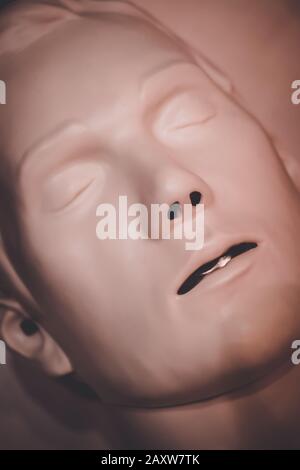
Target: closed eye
[[184, 110], [77, 195]]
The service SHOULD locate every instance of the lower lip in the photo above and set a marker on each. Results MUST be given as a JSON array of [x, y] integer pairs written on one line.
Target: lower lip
[[236, 268]]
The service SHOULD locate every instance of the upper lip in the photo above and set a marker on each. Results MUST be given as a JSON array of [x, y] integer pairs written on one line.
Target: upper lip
[[204, 269]]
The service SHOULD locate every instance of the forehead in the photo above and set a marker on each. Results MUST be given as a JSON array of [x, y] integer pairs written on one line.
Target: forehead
[[83, 67]]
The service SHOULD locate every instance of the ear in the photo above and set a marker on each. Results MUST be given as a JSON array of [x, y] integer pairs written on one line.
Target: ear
[[290, 162], [30, 340], [214, 73]]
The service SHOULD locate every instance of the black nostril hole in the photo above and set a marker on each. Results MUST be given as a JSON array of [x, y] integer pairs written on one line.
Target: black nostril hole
[[195, 198], [173, 211]]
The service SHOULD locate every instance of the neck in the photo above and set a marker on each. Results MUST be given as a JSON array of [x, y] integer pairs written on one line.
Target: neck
[[249, 418]]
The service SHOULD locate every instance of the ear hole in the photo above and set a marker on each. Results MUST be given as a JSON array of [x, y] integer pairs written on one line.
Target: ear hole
[[28, 327]]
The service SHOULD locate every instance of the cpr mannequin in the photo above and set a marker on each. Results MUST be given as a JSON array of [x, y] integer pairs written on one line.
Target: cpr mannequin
[[181, 364]]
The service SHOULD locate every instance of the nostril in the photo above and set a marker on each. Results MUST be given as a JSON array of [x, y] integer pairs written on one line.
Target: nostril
[[195, 198], [174, 210]]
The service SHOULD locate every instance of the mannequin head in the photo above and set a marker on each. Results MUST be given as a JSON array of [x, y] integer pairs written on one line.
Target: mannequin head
[[106, 104]]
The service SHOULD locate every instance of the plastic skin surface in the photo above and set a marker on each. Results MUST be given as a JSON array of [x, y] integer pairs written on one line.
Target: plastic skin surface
[[111, 105]]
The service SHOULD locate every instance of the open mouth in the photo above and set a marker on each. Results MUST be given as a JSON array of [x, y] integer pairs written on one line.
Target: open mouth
[[213, 265]]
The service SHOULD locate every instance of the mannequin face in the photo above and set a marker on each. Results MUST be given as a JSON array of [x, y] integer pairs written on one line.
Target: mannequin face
[[98, 112]]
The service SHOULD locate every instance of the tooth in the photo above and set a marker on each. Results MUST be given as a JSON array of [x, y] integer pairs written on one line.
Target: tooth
[[220, 264], [223, 261]]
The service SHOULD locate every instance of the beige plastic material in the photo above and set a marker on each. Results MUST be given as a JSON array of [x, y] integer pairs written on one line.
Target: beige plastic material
[[105, 102]]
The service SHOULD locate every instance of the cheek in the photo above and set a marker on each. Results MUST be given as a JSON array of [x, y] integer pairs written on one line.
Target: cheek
[[57, 254], [75, 272], [230, 148], [238, 159], [242, 148]]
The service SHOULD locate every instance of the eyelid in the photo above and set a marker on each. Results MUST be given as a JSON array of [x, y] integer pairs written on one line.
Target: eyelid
[[62, 190], [185, 109], [73, 198]]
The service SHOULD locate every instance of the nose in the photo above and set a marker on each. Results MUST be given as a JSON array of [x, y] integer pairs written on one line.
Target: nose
[[162, 180], [175, 185]]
